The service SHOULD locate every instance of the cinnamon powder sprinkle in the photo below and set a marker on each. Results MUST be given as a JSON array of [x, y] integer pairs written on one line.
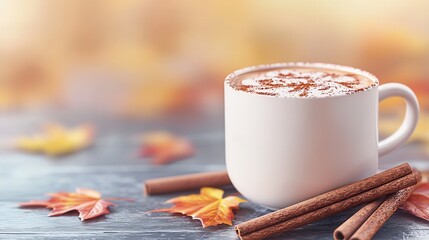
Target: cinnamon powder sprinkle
[[310, 83]]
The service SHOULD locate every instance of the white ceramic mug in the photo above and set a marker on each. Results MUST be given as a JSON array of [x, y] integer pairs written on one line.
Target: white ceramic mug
[[280, 151]]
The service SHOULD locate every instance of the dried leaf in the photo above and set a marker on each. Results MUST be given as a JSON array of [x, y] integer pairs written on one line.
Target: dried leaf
[[86, 201], [209, 206], [165, 148], [56, 140], [418, 203], [422, 188]]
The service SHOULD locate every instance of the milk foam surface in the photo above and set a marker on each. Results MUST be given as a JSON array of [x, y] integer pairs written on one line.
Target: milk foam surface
[[304, 83]]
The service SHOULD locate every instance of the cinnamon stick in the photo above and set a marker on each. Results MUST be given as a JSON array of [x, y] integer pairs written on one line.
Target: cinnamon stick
[[371, 226], [327, 204], [346, 230], [186, 182], [378, 211]]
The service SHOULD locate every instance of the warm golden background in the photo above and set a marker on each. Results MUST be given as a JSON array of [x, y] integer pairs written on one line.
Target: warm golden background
[[156, 57]]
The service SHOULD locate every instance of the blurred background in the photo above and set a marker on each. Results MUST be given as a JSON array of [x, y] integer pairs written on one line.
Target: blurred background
[[150, 59], [129, 67]]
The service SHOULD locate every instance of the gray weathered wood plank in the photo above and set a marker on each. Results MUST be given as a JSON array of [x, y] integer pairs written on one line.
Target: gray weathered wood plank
[[112, 167]]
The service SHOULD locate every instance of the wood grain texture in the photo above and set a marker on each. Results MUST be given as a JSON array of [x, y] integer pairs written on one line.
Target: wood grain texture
[[112, 167]]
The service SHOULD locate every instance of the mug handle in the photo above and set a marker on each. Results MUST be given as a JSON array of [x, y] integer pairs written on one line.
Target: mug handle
[[411, 116]]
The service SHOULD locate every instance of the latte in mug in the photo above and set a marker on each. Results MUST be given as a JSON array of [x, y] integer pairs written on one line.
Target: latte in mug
[[297, 130]]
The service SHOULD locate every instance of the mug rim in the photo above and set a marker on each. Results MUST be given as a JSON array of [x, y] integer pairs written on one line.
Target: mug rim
[[329, 66]]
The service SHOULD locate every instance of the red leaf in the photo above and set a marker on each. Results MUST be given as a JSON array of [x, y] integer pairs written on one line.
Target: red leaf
[[422, 188], [86, 201], [418, 203], [165, 148]]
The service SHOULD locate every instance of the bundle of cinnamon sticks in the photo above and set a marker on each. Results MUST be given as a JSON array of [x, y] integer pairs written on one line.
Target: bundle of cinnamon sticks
[[330, 203], [365, 223], [385, 192]]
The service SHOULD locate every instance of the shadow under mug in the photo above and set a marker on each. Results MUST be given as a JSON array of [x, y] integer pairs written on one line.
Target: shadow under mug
[[283, 150]]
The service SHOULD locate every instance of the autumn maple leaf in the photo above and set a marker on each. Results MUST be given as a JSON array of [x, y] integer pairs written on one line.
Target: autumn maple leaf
[[209, 206], [418, 203], [86, 201], [165, 148], [56, 140]]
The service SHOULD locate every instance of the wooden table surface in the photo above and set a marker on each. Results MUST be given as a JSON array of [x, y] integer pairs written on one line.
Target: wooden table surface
[[112, 167]]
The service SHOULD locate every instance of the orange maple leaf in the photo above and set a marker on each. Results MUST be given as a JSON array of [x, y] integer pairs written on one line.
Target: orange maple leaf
[[209, 206], [86, 201], [418, 203], [165, 148], [56, 140]]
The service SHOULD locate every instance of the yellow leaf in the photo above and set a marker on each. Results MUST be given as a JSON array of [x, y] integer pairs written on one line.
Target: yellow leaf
[[388, 126], [56, 140], [209, 206]]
